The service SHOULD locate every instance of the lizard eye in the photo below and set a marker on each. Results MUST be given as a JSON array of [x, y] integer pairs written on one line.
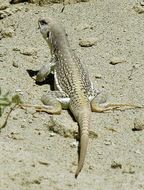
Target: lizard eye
[[43, 22]]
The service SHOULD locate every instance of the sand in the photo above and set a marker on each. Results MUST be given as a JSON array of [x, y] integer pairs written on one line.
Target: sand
[[39, 151]]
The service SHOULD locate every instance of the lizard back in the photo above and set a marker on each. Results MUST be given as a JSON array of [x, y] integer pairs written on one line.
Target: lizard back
[[70, 75]]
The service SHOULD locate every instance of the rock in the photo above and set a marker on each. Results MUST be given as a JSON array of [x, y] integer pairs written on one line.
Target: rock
[[138, 123], [52, 134], [28, 51], [15, 136], [18, 90], [7, 32], [17, 1], [142, 3], [74, 144], [16, 49], [87, 42], [115, 165], [45, 163], [116, 60], [107, 142], [15, 64], [44, 2], [93, 135], [91, 167], [98, 76], [4, 6], [2, 14], [4, 1], [138, 8], [128, 169], [6, 11]]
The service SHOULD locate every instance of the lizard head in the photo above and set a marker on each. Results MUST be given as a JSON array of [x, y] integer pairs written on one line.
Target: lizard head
[[51, 30], [45, 28]]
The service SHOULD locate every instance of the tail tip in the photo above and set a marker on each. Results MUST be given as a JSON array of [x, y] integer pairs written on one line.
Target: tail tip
[[77, 173]]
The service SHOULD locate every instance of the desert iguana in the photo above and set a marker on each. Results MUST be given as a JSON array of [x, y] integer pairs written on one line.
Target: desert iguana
[[74, 89]]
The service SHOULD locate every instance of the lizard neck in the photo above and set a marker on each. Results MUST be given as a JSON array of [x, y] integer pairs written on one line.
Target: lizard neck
[[58, 44]]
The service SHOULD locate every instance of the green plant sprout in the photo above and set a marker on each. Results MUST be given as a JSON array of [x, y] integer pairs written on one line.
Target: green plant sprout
[[5, 101]]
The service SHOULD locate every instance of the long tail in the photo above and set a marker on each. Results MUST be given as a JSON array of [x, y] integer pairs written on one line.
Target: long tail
[[84, 122]]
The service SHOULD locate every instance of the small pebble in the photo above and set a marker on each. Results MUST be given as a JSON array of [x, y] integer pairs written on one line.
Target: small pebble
[[115, 165], [74, 144], [44, 163], [18, 90], [2, 14], [74, 163], [72, 1], [91, 168], [93, 135], [27, 9], [138, 124], [129, 169], [116, 60], [98, 76], [15, 136], [16, 49], [142, 3], [36, 181], [7, 32], [15, 118], [107, 142], [138, 152], [15, 1], [52, 134], [87, 42], [23, 126], [30, 121], [15, 64]]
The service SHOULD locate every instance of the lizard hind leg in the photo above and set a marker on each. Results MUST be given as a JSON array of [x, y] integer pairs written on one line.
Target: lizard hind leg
[[54, 101], [109, 107], [52, 105]]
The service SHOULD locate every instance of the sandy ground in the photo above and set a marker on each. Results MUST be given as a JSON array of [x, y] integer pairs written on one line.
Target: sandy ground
[[37, 151]]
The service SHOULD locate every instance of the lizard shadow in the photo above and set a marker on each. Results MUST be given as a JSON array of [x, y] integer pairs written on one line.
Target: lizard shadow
[[49, 80]]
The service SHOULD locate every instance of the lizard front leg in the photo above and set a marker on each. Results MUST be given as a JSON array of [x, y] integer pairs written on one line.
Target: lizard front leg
[[46, 70]]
